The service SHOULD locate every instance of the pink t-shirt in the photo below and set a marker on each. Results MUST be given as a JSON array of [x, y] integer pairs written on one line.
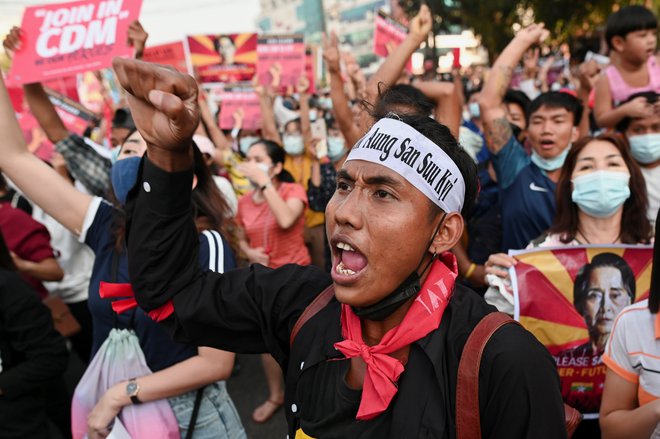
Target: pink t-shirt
[[621, 90], [261, 228]]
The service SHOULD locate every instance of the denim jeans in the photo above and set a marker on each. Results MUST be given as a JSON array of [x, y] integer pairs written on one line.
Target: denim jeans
[[217, 417]]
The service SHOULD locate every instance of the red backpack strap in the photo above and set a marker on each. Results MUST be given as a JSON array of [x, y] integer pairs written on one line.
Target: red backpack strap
[[312, 309], [468, 422]]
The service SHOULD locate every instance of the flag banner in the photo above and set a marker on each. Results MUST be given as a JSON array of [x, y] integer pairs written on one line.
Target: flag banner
[[569, 297], [388, 35], [287, 51], [171, 54], [223, 58], [235, 98], [67, 38]]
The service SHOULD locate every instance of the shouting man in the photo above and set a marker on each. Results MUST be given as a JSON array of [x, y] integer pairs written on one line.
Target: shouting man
[[378, 360]]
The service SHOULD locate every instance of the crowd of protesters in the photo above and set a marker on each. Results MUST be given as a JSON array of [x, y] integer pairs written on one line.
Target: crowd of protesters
[[560, 161]]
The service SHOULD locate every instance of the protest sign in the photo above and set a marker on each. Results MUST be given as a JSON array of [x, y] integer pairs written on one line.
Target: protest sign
[[223, 58], [235, 98], [171, 54], [67, 38], [287, 51], [312, 58], [75, 117], [568, 298], [388, 35]]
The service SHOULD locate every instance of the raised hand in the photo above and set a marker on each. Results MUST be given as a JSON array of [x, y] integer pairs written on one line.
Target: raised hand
[[163, 103], [137, 38], [331, 52], [532, 34], [302, 85], [12, 41], [421, 24]]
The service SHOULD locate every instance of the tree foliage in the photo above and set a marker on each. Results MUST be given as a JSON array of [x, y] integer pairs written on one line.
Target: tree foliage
[[493, 20]]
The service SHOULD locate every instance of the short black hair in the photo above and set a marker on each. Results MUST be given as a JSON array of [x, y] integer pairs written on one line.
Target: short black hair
[[581, 284], [651, 98], [123, 119], [519, 98], [629, 19], [556, 99], [401, 95], [441, 136]]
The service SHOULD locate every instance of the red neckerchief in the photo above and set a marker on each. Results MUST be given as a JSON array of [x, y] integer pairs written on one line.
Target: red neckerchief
[[424, 315]]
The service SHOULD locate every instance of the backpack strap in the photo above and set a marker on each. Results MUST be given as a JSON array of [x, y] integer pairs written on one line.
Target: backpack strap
[[468, 422], [312, 309]]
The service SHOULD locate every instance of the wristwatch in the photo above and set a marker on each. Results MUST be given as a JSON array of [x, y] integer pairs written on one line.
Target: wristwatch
[[132, 390]]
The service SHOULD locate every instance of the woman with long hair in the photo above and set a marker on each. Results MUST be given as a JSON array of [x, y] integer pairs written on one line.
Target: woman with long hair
[[178, 370], [272, 218], [601, 199]]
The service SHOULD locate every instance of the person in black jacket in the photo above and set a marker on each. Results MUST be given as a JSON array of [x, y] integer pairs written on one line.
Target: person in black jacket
[[397, 324], [32, 354]]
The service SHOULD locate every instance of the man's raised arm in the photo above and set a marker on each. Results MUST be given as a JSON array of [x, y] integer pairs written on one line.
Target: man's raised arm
[[493, 112], [247, 310]]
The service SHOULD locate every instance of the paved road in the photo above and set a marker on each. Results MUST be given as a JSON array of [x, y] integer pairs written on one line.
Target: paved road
[[248, 389]]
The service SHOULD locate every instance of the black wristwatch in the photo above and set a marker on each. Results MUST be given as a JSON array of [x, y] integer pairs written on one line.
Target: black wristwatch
[[132, 389]]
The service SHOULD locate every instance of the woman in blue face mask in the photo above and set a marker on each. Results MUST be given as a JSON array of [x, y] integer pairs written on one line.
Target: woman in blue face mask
[[178, 370], [601, 199]]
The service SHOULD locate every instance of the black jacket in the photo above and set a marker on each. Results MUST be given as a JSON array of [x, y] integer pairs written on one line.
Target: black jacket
[[32, 354], [254, 310]]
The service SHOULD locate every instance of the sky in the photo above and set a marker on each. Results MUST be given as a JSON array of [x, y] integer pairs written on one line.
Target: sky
[[166, 20]]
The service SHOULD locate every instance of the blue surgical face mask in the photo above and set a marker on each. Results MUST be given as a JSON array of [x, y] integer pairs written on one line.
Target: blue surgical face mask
[[551, 164], [124, 175], [325, 103], [475, 111], [601, 193], [245, 142], [336, 148], [645, 148], [313, 115], [293, 144]]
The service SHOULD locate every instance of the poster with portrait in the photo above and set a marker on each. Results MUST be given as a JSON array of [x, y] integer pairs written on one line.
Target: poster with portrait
[[67, 38], [287, 52], [223, 58], [569, 297]]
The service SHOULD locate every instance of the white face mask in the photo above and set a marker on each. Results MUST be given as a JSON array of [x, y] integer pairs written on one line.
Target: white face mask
[[265, 167], [293, 144]]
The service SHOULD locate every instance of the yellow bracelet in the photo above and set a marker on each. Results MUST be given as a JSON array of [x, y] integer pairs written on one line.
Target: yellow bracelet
[[470, 270]]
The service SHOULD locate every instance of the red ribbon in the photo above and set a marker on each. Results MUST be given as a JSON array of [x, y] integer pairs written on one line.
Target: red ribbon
[[423, 316]]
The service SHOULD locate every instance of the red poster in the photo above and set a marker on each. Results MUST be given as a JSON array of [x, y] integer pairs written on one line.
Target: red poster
[[310, 68], [172, 54], [223, 58], [568, 298], [388, 35], [287, 51], [74, 116], [233, 99], [66, 38]]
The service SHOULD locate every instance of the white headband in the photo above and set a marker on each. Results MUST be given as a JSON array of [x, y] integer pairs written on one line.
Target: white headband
[[413, 156]]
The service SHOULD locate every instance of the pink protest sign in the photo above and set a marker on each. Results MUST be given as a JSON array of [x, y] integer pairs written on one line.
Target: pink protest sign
[[235, 98], [388, 35], [66, 38], [171, 54], [287, 51]]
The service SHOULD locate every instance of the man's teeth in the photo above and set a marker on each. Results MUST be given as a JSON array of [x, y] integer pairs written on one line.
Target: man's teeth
[[343, 270], [344, 246]]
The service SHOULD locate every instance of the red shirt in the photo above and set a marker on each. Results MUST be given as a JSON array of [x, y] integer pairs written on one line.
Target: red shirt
[[27, 238], [261, 228]]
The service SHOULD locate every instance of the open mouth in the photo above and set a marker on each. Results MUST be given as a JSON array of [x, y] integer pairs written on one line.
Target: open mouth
[[349, 262], [547, 144]]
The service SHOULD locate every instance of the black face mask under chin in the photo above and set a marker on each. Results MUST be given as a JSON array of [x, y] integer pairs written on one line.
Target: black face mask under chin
[[410, 287]]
